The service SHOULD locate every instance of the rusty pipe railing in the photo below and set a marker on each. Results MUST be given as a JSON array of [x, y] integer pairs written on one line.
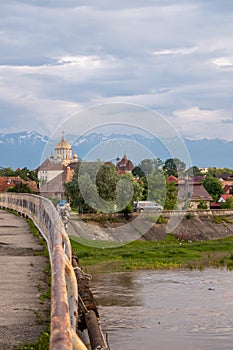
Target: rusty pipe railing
[[64, 293]]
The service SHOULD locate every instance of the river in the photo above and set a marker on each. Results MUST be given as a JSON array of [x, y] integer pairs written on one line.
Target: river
[[164, 310]]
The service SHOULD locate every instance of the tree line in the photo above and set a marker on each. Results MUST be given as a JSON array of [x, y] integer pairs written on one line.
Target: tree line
[[148, 181]]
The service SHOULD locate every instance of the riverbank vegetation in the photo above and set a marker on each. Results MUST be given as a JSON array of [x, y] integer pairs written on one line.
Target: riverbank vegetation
[[171, 253]]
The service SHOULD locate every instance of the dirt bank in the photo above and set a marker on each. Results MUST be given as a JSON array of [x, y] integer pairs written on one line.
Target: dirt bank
[[195, 228], [190, 228]]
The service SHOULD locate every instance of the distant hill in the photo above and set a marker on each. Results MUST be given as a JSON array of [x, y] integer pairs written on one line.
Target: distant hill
[[25, 148]]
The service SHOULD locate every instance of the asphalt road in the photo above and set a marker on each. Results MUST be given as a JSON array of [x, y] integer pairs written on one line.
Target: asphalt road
[[22, 280]]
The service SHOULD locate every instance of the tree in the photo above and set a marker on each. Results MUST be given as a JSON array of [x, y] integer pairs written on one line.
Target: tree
[[171, 196], [20, 188], [174, 166], [194, 171], [97, 186], [26, 174], [7, 172], [157, 187], [202, 205], [73, 192], [219, 171], [213, 186], [106, 181], [228, 204], [146, 167]]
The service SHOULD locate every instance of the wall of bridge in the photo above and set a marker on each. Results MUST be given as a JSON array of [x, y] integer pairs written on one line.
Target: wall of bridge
[[64, 293]]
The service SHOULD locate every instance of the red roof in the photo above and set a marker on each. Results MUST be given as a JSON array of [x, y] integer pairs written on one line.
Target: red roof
[[227, 188], [124, 165], [7, 182], [225, 196], [172, 178]]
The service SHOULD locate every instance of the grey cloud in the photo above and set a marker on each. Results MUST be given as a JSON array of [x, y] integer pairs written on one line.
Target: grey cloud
[[227, 121], [123, 35]]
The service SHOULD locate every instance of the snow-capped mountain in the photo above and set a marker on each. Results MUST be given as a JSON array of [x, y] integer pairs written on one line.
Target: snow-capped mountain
[[21, 149], [203, 152], [25, 148]]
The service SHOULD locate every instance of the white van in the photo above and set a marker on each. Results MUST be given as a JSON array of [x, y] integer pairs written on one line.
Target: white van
[[147, 205]]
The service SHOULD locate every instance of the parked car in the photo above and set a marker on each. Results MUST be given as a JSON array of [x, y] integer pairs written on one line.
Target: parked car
[[147, 206]]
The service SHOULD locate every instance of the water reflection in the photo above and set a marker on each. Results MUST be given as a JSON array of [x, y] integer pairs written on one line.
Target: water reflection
[[117, 289], [166, 309]]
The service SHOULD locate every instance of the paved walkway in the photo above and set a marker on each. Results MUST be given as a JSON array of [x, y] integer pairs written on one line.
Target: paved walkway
[[22, 279]]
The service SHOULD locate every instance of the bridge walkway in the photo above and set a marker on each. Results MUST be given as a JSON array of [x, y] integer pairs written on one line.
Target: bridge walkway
[[22, 281]]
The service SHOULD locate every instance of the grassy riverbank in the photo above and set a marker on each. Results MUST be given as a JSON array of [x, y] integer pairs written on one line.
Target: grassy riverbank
[[170, 253]]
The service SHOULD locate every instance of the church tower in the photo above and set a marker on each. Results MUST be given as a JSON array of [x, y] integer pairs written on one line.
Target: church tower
[[64, 151]]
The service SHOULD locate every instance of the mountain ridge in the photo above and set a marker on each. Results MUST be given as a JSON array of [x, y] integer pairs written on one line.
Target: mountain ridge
[[25, 148]]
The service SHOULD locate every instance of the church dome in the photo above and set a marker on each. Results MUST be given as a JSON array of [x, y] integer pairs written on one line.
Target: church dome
[[63, 144]]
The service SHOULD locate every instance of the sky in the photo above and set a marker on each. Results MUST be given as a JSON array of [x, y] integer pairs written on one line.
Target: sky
[[61, 57]]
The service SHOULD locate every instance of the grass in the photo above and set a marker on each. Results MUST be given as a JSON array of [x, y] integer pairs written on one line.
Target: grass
[[41, 344], [221, 219], [170, 253]]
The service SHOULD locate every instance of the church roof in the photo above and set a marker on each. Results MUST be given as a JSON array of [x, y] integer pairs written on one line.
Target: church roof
[[50, 165], [125, 164]]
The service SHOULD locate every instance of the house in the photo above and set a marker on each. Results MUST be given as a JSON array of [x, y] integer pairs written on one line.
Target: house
[[224, 197], [194, 193], [54, 187], [124, 165], [225, 179], [172, 178], [227, 189], [7, 182], [49, 170]]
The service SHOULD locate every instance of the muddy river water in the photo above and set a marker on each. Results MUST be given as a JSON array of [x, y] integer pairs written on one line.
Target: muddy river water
[[164, 310]]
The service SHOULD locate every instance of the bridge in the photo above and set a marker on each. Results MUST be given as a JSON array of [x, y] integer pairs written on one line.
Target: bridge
[[64, 280]]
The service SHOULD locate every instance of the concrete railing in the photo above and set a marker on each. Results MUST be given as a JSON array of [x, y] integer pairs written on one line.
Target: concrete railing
[[64, 293], [198, 212]]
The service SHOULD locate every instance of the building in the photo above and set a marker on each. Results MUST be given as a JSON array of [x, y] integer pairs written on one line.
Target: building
[[7, 182], [57, 170], [194, 193], [225, 179], [224, 197], [124, 165]]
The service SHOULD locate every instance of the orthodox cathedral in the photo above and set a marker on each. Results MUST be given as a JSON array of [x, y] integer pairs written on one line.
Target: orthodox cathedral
[[56, 170]]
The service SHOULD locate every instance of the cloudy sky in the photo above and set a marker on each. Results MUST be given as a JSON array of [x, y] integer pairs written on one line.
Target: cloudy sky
[[59, 57]]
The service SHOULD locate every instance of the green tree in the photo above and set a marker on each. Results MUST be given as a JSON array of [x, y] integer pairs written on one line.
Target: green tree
[[99, 186], [146, 167], [157, 187], [171, 196], [20, 188], [219, 171], [174, 166], [73, 192], [213, 186], [106, 181], [228, 204], [7, 172], [194, 171], [27, 174], [202, 205]]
